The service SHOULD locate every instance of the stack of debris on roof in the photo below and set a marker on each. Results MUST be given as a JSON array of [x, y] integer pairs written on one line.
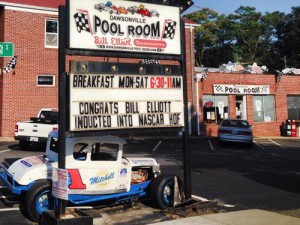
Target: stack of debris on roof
[[291, 71], [238, 68]]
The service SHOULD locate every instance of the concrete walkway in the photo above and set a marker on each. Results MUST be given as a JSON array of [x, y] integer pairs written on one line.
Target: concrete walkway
[[245, 217]]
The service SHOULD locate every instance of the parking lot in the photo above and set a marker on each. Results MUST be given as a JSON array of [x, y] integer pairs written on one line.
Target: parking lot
[[266, 176]]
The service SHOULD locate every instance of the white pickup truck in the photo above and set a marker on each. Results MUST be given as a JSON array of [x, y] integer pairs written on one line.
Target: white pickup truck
[[97, 172], [37, 128]]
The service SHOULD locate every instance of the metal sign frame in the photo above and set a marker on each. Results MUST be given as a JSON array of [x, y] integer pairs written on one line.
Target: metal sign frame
[[64, 97]]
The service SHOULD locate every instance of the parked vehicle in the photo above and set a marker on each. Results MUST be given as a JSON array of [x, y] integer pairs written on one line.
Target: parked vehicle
[[235, 130], [97, 172], [37, 129]]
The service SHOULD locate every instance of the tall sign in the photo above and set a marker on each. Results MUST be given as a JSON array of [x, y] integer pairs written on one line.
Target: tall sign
[[97, 100], [124, 26]]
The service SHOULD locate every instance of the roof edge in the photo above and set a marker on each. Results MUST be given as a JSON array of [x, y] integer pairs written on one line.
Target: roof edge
[[28, 6]]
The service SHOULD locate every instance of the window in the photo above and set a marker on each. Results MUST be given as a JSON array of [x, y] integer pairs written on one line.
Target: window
[[264, 108], [293, 107], [51, 33], [45, 80], [104, 152], [215, 108], [54, 144], [80, 151]]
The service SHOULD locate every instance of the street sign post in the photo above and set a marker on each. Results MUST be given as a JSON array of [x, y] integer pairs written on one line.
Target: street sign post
[[6, 49]]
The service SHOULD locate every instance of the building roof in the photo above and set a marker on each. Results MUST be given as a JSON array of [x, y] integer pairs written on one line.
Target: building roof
[[38, 3], [191, 23]]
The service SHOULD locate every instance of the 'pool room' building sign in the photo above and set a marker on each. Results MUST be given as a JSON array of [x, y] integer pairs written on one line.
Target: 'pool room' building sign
[[124, 26], [103, 101]]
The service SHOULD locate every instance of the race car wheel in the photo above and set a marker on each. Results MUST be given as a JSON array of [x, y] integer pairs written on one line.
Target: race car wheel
[[39, 199], [162, 190]]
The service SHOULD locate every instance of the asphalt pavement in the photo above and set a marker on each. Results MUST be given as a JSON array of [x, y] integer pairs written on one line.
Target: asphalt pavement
[[242, 217]]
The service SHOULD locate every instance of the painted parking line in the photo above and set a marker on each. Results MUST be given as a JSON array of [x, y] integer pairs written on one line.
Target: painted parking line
[[276, 143], [258, 145], [200, 198], [3, 187], [229, 206], [7, 150], [9, 209], [206, 200], [156, 146], [211, 146]]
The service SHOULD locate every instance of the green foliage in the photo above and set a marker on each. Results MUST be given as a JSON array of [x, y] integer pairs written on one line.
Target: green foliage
[[247, 36]]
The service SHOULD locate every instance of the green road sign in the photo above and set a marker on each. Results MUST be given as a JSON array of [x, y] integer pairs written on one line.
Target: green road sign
[[6, 49]]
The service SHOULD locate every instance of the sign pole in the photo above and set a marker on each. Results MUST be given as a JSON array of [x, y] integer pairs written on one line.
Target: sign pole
[[185, 134], [62, 103]]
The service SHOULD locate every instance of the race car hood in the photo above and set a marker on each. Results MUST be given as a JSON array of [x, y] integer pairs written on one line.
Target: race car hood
[[26, 170]]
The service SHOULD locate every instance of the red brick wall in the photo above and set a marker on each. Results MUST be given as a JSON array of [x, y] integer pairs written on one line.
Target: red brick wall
[[289, 85], [1, 60], [22, 98]]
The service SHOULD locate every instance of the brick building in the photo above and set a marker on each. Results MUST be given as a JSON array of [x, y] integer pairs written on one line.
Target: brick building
[[32, 26], [263, 99]]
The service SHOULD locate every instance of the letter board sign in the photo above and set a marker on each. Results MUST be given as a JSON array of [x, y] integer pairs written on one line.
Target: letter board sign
[[124, 26], [104, 101]]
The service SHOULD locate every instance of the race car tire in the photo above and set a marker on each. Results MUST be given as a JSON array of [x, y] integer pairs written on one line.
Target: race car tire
[[162, 190], [38, 199]]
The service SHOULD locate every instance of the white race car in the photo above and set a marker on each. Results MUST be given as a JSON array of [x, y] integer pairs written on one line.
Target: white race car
[[97, 172]]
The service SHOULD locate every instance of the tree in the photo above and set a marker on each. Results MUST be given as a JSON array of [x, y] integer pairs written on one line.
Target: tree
[[247, 36], [248, 32], [291, 39], [273, 40], [206, 34]]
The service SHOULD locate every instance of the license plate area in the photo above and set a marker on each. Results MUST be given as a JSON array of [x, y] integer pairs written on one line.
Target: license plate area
[[34, 139]]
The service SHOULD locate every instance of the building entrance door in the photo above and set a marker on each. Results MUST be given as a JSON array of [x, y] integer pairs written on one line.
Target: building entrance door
[[241, 107]]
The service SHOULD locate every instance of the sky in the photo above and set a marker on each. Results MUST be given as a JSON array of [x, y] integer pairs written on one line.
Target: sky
[[229, 6]]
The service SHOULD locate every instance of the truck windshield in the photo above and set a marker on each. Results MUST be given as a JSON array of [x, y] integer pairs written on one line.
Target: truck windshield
[[49, 115]]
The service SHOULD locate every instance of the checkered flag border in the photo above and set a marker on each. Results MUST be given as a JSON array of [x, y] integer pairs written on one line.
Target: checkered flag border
[[82, 22], [279, 75], [265, 88], [219, 88], [10, 65], [170, 28], [204, 74], [150, 61]]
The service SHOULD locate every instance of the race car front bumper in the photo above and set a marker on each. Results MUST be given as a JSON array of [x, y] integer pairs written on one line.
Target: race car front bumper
[[8, 180]]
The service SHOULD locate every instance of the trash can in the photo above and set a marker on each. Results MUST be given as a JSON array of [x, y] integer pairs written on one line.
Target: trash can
[[294, 128], [288, 128], [283, 129]]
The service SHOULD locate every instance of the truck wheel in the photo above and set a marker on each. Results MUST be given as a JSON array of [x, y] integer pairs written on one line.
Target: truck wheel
[[162, 190], [39, 199], [24, 145]]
